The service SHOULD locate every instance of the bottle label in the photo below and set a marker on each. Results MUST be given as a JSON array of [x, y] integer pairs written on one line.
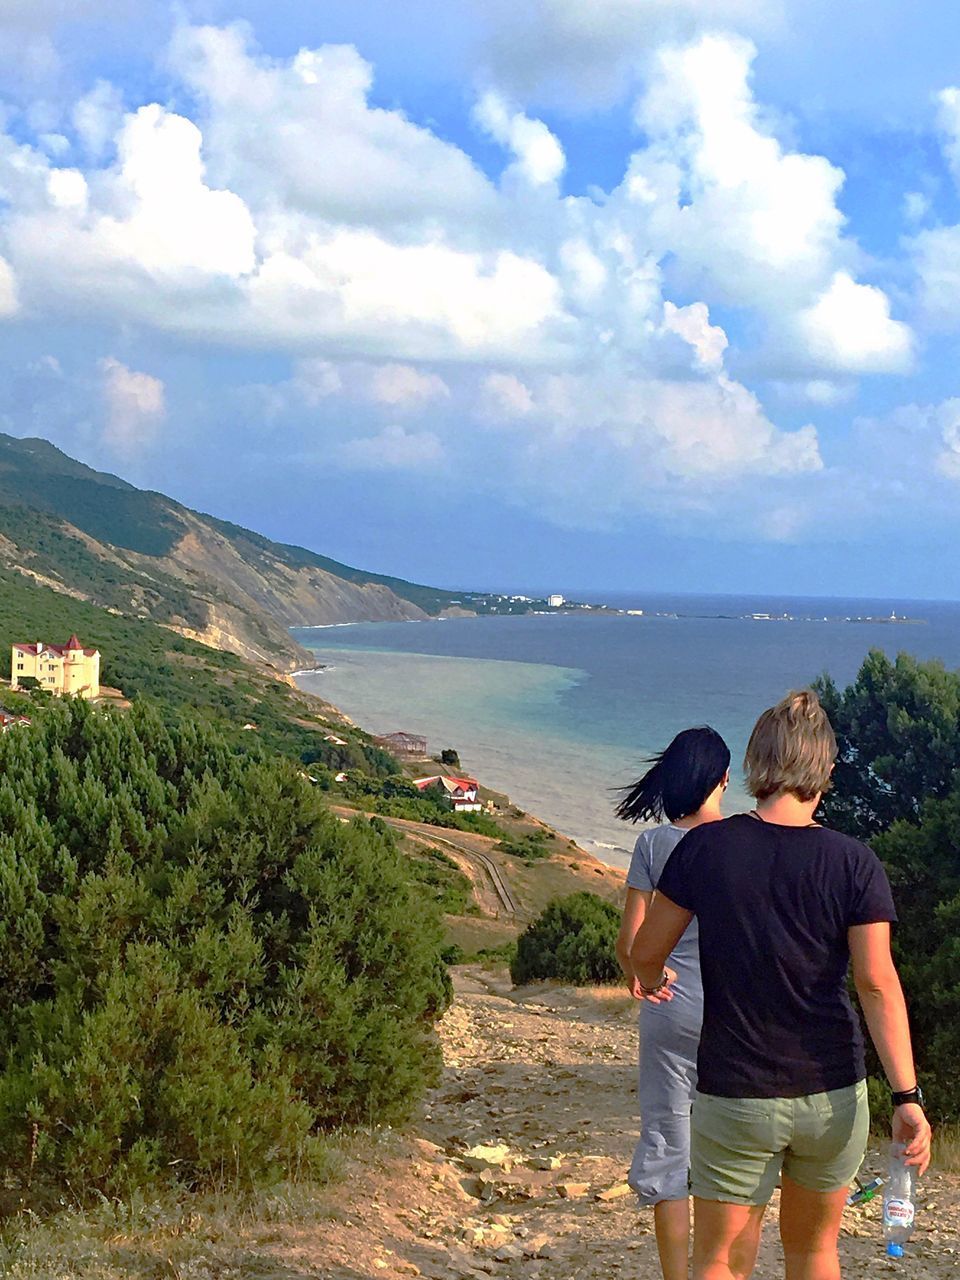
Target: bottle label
[[898, 1213]]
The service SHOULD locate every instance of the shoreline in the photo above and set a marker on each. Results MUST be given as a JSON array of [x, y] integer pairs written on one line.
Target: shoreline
[[500, 746]]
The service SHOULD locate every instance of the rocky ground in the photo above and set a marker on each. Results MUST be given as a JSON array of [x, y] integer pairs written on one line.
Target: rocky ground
[[515, 1169], [518, 1167]]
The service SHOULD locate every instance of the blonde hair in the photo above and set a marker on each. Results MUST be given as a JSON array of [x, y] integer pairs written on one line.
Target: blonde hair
[[792, 748]]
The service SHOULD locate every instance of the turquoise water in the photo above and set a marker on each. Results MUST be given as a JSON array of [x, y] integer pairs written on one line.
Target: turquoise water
[[559, 710]]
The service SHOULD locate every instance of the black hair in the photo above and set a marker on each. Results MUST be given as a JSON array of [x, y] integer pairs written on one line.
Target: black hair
[[680, 779]]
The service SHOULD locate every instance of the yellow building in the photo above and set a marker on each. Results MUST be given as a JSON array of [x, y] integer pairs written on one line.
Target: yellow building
[[67, 668]]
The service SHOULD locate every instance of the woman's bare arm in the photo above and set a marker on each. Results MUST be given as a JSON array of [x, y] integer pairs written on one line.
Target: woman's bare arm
[[635, 908], [662, 929], [885, 1011]]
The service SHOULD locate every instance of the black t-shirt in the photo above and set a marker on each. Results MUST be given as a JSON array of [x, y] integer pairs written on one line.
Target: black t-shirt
[[774, 904]]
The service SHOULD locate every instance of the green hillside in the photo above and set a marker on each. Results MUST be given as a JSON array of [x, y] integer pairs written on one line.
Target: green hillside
[[36, 477], [430, 599], [143, 659]]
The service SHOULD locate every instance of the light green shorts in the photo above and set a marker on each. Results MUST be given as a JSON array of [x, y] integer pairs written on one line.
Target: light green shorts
[[739, 1145]]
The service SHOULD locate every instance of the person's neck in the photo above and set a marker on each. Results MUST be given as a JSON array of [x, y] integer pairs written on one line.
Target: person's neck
[[706, 814], [786, 810]]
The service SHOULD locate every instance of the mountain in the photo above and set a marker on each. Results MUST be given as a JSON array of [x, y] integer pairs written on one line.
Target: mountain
[[138, 553]]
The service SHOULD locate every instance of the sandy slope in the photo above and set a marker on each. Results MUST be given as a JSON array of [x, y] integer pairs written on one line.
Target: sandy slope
[[548, 1074]]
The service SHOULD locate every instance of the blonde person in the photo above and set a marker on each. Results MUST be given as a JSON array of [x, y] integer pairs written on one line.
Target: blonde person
[[684, 786], [783, 905]]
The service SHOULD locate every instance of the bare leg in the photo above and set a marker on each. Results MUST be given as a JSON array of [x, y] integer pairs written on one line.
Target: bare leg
[[671, 1218], [726, 1238], [809, 1226]]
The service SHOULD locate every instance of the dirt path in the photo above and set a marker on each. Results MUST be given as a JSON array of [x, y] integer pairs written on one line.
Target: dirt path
[[544, 1080]]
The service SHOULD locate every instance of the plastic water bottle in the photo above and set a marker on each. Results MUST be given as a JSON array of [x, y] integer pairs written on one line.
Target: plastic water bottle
[[898, 1203]]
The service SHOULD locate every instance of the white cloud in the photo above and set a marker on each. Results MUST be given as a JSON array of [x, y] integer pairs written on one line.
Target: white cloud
[[936, 251], [364, 294], [849, 327], [293, 216], [300, 133], [135, 406], [29, 29], [177, 222], [9, 297], [916, 206], [506, 397], [937, 259], [948, 120], [653, 430], [574, 53], [97, 117], [948, 422], [393, 449], [692, 324], [747, 221], [316, 379], [67, 189], [400, 385], [739, 206], [585, 273], [539, 156]]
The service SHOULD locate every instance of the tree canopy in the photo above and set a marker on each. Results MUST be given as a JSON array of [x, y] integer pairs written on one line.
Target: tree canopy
[[200, 966], [897, 786]]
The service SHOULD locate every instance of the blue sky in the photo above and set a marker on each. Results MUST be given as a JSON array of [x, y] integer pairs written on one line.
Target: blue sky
[[637, 294]]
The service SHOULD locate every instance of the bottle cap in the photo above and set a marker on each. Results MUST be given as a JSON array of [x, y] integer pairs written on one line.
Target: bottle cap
[[894, 1250]]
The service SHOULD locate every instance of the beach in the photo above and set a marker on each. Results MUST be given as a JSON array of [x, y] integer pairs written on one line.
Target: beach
[[559, 711]]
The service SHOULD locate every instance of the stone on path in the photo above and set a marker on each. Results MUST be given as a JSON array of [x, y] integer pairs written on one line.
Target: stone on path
[[571, 1190], [614, 1192]]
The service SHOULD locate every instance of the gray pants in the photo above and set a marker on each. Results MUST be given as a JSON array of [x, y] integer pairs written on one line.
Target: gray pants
[[669, 1038]]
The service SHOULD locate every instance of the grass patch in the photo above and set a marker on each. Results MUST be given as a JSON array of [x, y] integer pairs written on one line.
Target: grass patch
[[225, 1233], [946, 1149]]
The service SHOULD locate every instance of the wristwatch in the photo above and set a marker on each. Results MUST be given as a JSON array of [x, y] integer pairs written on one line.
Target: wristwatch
[[907, 1095], [652, 991]]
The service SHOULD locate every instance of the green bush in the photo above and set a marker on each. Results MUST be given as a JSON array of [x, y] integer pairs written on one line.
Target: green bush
[[200, 967], [897, 785], [531, 847], [573, 940]]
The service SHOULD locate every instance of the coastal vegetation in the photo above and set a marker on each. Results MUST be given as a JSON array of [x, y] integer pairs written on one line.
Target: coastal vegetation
[[530, 847], [396, 797], [202, 968], [897, 785], [143, 659], [572, 940]]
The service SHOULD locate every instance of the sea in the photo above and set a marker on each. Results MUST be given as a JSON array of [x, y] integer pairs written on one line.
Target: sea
[[561, 710]]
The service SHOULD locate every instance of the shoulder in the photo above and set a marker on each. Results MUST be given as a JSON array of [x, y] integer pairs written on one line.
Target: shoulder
[[641, 846], [851, 850], [717, 835], [641, 863]]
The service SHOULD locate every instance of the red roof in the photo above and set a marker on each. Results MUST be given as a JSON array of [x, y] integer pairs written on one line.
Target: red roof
[[73, 645], [464, 784]]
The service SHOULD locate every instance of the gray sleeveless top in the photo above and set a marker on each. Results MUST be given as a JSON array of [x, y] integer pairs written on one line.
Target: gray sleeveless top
[[650, 856]]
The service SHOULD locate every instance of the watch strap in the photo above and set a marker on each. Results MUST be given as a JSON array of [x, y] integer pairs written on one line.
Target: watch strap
[[904, 1096]]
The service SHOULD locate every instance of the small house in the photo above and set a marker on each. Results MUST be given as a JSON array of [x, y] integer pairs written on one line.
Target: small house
[[461, 794], [403, 744], [8, 721]]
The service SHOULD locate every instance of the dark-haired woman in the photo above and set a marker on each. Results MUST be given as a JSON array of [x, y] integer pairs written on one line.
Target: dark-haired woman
[[783, 906], [684, 785]]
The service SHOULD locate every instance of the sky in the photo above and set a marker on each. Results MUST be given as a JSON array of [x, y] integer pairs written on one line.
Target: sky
[[628, 295]]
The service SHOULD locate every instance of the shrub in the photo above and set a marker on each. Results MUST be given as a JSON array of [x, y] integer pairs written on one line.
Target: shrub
[[574, 940], [199, 966], [897, 785], [531, 847]]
